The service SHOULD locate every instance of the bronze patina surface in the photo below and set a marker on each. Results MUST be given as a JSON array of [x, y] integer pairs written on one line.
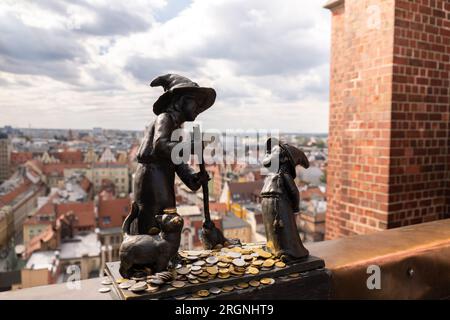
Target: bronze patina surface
[[414, 262], [195, 280]]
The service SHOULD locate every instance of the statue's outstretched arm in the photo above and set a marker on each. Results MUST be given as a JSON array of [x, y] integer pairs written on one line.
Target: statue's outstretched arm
[[188, 176]]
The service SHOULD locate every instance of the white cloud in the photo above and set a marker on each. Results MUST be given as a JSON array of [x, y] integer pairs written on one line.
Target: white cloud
[[268, 62]]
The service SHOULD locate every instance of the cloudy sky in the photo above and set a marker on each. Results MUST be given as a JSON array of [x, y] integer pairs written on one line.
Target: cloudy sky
[[87, 63]]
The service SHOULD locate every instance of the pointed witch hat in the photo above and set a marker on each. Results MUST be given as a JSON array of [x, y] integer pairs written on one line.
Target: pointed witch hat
[[295, 155], [174, 84]]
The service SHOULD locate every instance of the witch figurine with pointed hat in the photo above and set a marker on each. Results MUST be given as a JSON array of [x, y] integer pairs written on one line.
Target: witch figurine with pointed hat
[[281, 199], [183, 100]]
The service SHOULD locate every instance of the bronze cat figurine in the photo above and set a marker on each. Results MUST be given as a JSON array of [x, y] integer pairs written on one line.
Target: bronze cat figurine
[[153, 251]]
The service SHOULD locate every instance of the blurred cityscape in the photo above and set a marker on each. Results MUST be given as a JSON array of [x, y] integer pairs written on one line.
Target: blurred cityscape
[[65, 193]]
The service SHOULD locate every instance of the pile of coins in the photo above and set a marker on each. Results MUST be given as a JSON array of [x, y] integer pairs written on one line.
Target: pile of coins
[[202, 266]]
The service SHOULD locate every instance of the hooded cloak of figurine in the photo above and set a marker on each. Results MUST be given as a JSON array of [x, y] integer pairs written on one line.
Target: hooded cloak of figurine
[[280, 200]]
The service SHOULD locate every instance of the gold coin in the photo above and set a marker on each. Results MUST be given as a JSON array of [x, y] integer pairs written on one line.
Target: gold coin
[[119, 281], [280, 264], [225, 259], [194, 281], [268, 263], [258, 263], [223, 275], [267, 281], [243, 285], [254, 283], [212, 270], [252, 270], [227, 289], [236, 273], [203, 293], [222, 264], [224, 271], [178, 284], [247, 257], [264, 254]]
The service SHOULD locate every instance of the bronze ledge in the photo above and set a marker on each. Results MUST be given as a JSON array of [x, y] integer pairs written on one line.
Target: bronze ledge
[[414, 262]]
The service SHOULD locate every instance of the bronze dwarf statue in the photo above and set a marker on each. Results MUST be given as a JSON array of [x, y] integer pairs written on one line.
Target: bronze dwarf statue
[[148, 240], [154, 191], [280, 200]]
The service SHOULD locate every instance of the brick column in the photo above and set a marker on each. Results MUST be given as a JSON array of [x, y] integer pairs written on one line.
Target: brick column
[[389, 159]]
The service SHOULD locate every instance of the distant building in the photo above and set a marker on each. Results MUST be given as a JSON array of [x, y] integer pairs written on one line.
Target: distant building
[[243, 192], [83, 251], [5, 157], [107, 156], [90, 156], [193, 221], [19, 158], [19, 194], [83, 213], [97, 131], [69, 156], [41, 269], [311, 222], [115, 172], [234, 227], [6, 226], [312, 175], [111, 214]]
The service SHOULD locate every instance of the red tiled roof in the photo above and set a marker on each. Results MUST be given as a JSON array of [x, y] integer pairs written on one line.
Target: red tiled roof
[[113, 211], [6, 199], [84, 212], [69, 157], [20, 157], [35, 243], [246, 189], [35, 164]]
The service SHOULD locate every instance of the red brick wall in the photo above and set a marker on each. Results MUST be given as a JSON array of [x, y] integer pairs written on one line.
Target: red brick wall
[[389, 115], [419, 171]]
